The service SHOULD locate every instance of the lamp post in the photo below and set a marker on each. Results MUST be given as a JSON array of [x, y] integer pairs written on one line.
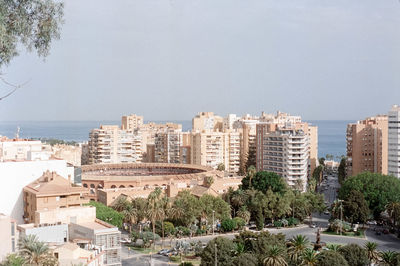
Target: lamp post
[[341, 216], [213, 222], [216, 259]]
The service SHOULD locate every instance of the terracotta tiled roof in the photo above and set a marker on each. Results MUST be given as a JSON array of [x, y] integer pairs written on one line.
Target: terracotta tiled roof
[[51, 183]]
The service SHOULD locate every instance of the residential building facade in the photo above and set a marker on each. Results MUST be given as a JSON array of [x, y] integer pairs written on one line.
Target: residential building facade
[[394, 142], [367, 146]]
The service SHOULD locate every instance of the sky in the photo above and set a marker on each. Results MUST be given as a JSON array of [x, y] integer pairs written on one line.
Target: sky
[[170, 59]]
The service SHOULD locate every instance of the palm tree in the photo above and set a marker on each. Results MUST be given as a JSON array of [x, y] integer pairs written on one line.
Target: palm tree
[[155, 210], [371, 248], [35, 252], [309, 257], [334, 247], [251, 171], [297, 245], [275, 257], [244, 214], [388, 258], [120, 204], [130, 215]]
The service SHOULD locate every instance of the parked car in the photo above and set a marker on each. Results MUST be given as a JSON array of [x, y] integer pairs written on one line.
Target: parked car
[[372, 222], [313, 225], [125, 241], [327, 212], [162, 251]]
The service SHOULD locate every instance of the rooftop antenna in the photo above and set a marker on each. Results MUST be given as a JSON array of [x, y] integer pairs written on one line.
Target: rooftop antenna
[[17, 133]]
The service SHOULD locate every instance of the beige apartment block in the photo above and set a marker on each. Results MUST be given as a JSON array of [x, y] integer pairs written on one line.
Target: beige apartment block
[[211, 148], [48, 192], [78, 214], [148, 131], [207, 121], [70, 153], [131, 122], [71, 254], [18, 149], [110, 144], [9, 237], [167, 146], [367, 146]]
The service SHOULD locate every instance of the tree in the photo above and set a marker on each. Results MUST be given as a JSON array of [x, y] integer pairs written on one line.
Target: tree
[[228, 225], [245, 259], [275, 257], [208, 181], [209, 203], [378, 190], [120, 204], [155, 209], [251, 172], [393, 209], [262, 181], [35, 252], [309, 257], [260, 219], [317, 173], [342, 170], [372, 253], [297, 245], [34, 24], [275, 205], [354, 255], [185, 208], [331, 258], [107, 214], [355, 208], [219, 247], [240, 222], [244, 214], [221, 167]]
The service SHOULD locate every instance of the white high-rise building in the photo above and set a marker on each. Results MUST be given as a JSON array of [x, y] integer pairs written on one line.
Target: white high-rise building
[[394, 141]]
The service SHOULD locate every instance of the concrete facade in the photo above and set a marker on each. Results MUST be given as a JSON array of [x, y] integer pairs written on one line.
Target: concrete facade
[[367, 146], [9, 236], [54, 234], [394, 141]]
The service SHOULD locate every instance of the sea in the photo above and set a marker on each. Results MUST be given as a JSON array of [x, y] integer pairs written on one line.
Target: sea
[[331, 133]]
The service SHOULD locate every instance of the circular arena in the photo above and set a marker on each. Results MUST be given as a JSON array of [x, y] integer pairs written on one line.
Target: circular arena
[[142, 175]]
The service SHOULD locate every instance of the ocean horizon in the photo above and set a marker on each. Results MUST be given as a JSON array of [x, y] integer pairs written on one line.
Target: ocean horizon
[[331, 133]]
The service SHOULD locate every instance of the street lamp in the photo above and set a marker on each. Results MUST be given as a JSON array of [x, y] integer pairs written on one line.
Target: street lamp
[[213, 222]]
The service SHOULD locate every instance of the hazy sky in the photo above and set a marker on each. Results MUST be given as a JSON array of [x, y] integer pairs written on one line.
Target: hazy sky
[[169, 59]]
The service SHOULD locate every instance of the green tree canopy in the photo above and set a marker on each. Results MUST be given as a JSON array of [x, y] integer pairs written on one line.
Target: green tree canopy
[[107, 214], [378, 190], [355, 208], [263, 181], [224, 248], [245, 259], [354, 255], [331, 258]]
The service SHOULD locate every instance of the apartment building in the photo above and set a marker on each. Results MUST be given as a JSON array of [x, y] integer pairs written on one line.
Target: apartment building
[[207, 121], [394, 141], [48, 192], [72, 254], [211, 148], [167, 146], [131, 122], [9, 236], [285, 151], [110, 144], [367, 146], [18, 149]]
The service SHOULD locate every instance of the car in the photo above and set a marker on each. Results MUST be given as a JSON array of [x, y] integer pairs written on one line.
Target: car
[[162, 251], [327, 212], [371, 222], [313, 225], [125, 241]]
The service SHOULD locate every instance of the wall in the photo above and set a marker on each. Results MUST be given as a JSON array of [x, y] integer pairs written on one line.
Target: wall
[[48, 234]]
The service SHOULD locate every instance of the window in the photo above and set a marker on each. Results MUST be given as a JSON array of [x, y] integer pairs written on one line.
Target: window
[[13, 245], [12, 229], [57, 198]]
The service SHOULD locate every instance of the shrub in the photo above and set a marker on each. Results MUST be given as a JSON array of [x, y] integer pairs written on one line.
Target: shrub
[[260, 220], [107, 214], [228, 225], [182, 231], [284, 222], [240, 222], [200, 231], [146, 236], [331, 258], [278, 223], [292, 221]]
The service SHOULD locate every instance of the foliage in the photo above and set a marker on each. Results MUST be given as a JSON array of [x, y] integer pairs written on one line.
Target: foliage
[[389, 258], [378, 190], [334, 247], [337, 225], [260, 219], [244, 214], [208, 181], [228, 225], [309, 257], [147, 237], [354, 255], [245, 259], [53, 142], [240, 222], [224, 249], [35, 252], [355, 208], [107, 214], [292, 221], [317, 173], [221, 167], [185, 208], [296, 246], [186, 264], [208, 203], [33, 23], [13, 260], [169, 228], [263, 181], [275, 256], [182, 231], [372, 253], [278, 223], [331, 258], [342, 170]]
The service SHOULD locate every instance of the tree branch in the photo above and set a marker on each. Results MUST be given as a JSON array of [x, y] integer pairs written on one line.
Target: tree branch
[[14, 86]]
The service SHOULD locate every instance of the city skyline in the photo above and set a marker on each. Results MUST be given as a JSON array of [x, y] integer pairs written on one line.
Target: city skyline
[[310, 58]]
